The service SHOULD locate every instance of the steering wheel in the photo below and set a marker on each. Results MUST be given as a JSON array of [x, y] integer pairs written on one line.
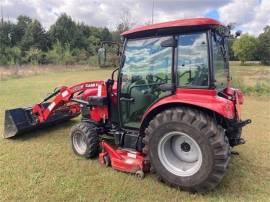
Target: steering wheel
[[156, 79], [154, 82], [201, 75]]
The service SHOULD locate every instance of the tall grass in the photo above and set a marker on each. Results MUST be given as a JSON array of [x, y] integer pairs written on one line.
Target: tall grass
[[252, 80]]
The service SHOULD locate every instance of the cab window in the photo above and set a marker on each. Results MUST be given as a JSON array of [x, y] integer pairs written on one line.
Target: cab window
[[147, 66], [193, 67], [219, 54]]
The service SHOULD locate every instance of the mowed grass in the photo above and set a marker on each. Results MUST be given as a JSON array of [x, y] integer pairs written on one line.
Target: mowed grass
[[41, 166]]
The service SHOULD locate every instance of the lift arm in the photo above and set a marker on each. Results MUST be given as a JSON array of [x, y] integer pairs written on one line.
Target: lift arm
[[65, 96]]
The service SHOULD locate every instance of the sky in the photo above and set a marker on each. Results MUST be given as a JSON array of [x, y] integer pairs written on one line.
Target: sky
[[250, 16]]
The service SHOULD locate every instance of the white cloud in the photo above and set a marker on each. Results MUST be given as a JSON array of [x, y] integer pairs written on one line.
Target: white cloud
[[250, 15], [108, 12]]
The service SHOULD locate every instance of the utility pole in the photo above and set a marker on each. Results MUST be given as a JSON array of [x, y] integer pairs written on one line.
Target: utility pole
[[1, 30], [2, 17], [153, 6]]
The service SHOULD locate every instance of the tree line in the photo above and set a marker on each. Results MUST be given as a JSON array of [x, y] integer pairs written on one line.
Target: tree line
[[249, 48], [68, 42]]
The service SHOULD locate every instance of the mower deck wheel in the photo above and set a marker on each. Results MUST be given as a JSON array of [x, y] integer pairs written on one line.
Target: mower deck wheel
[[139, 174], [107, 160]]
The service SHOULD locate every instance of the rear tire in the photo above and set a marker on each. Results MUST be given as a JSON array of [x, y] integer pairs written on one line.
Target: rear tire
[[187, 149], [85, 140]]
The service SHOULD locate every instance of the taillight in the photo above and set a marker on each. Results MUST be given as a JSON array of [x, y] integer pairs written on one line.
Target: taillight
[[240, 96], [234, 94]]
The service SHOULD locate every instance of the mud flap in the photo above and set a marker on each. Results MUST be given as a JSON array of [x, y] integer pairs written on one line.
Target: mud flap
[[21, 120]]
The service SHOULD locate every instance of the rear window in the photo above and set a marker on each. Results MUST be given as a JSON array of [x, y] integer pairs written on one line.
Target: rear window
[[220, 70]]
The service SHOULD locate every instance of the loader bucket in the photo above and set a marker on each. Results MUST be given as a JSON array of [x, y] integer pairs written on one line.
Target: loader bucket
[[21, 120]]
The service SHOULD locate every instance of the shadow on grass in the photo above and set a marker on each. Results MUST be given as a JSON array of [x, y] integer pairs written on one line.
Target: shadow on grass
[[44, 131]]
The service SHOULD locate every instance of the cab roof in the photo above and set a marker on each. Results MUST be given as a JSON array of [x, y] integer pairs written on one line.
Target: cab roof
[[192, 22]]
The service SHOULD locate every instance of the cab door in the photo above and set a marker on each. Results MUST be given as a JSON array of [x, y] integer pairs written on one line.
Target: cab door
[[147, 67]]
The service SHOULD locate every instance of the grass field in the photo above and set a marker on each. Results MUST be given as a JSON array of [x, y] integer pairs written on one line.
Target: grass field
[[252, 79], [42, 167]]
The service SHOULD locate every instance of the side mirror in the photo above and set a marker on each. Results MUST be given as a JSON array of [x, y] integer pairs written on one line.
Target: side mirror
[[231, 26], [171, 42], [238, 33], [113, 73]]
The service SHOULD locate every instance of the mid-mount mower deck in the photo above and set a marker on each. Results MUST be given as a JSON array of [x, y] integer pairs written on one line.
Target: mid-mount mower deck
[[171, 109]]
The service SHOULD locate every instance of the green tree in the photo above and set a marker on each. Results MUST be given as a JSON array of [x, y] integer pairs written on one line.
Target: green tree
[[106, 35], [95, 31], [35, 37], [55, 55], [67, 42], [245, 48], [6, 53], [80, 40], [15, 54], [34, 56], [19, 29], [11, 56], [85, 29], [64, 30], [40, 37], [264, 46], [61, 54], [93, 43], [68, 58], [232, 55], [5, 35]]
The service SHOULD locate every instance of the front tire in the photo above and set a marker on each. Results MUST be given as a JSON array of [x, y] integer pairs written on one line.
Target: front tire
[[187, 149], [85, 140]]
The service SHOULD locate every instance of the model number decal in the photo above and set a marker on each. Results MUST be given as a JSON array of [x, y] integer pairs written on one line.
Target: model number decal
[[51, 106], [65, 93]]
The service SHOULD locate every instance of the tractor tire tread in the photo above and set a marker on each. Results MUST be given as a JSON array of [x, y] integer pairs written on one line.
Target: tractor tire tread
[[211, 131], [92, 138]]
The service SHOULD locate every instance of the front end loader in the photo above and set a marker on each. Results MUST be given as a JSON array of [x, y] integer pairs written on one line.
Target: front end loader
[[64, 105], [171, 109]]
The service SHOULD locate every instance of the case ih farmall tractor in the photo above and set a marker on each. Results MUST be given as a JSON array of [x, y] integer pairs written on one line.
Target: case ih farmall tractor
[[171, 109]]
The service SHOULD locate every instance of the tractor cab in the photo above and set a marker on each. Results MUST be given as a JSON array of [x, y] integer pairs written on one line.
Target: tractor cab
[[159, 59]]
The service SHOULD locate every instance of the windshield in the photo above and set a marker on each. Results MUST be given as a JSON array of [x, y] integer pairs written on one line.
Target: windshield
[[219, 61]]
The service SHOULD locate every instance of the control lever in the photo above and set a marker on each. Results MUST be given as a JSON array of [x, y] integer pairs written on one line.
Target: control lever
[[167, 87], [125, 99]]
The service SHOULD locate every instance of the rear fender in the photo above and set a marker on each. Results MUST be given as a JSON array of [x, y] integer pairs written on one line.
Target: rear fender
[[202, 98]]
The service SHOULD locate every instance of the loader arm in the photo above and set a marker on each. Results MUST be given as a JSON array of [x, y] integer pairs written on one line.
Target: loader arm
[[65, 97]]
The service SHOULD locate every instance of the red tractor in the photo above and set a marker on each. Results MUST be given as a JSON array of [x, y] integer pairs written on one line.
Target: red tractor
[[171, 109]]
